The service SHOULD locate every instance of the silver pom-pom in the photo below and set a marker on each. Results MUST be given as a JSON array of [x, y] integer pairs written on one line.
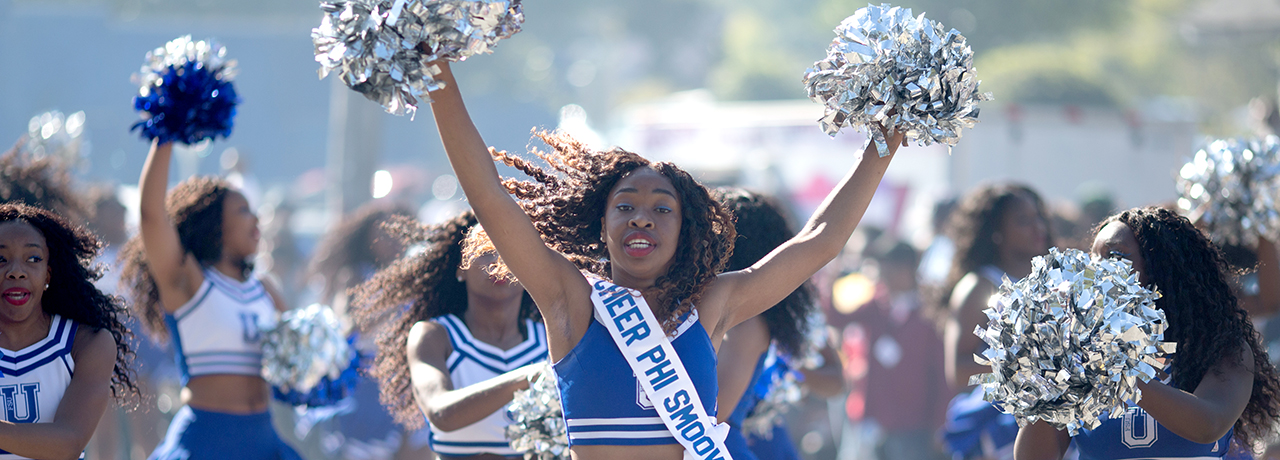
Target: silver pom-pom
[[380, 47], [209, 54], [1069, 342], [306, 345], [1233, 186], [54, 134], [783, 394], [538, 428], [887, 68]]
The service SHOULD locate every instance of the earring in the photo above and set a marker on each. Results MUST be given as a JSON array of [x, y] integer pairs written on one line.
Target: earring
[[46, 285], [461, 279]]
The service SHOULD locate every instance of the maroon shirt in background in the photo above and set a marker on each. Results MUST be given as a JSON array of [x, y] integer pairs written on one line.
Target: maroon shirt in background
[[911, 394]]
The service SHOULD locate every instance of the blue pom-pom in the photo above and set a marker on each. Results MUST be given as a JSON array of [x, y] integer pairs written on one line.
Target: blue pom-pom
[[329, 391], [186, 94]]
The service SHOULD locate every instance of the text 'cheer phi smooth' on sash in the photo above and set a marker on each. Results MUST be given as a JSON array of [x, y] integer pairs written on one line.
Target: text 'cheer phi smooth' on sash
[[659, 370]]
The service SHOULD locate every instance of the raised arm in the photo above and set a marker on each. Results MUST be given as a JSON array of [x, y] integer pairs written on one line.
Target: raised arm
[[78, 412], [746, 293], [176, 272], [450, 409], [552, 281]]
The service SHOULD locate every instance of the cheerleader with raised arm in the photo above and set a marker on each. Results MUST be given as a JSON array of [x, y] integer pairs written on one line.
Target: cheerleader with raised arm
[[463, 345], [624, 258], [65, 348], [1219, 396], [191, 281]]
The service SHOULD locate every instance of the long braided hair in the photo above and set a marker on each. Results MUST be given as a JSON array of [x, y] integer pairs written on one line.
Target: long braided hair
[[567, 200], [1204, 315]]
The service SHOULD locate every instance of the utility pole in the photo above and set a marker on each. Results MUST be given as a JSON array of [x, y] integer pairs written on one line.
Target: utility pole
[[355, 138]]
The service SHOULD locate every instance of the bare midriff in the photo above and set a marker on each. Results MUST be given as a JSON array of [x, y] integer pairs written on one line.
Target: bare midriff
[[666, 451], [227, 393]]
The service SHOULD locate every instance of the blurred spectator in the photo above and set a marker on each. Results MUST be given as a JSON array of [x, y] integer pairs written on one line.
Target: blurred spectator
[[935, 263], [280, 258], [898, 389]]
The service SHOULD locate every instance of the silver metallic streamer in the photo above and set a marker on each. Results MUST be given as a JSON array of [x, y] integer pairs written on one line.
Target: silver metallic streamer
[[784, 394], [177, 53], [1068, 343], [58, 135], [1233, 186], [380, 48], [306, 345], [887, 68], [538, 428]]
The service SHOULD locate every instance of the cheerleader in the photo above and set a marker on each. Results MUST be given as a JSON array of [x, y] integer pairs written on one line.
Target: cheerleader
[[997, 230], [780, 330], [1219, 395], [346, 256], [623, 258], [191, 280], [461, 348], [65, 349]]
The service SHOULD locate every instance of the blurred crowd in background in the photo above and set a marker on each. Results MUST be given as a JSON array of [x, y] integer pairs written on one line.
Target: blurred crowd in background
[[1099, 102]]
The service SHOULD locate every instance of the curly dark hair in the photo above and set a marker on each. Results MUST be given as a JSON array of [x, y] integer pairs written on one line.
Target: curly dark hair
[[71, 292], [195, 207], [762, 226], [1205, 317], [43, 182], [567, 202], [973, 225], [425, 281], [349, 245]]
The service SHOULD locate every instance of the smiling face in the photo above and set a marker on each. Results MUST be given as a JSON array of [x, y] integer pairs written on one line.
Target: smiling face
[[240, 232], [1118, 240], [641, 227], [24, 268]]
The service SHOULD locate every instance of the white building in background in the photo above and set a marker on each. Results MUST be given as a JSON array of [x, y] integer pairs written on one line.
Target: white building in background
[[777, 146]]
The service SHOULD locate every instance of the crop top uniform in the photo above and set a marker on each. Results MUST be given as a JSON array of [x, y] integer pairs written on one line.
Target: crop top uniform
[[217, 331], [34, 379], [603, 402], [1137, 435], [472, 362]]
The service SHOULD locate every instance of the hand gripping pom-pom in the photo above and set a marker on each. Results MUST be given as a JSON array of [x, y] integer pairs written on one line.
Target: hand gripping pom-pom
[[380, 47], [1068, 343], [538, 428], [887, 68], [1233, 188], [306, 358], [185, 92]]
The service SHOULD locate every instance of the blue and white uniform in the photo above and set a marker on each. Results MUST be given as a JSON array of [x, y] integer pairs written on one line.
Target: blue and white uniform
[[33, 379], [472, 362], [745, 445], [605, 405], [1137, 435], [216, 333]]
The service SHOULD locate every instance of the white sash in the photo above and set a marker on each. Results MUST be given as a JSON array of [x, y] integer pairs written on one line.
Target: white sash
[[659, 370]]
